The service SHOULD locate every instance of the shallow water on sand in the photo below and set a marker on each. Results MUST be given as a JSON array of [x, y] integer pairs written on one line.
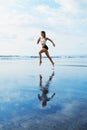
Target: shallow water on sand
[[42, 98]]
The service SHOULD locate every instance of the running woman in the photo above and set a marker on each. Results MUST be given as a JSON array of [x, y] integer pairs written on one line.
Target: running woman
[[44, 49]]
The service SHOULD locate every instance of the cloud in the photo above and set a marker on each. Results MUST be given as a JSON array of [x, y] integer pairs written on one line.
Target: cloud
[[21, 22], [68, 6]]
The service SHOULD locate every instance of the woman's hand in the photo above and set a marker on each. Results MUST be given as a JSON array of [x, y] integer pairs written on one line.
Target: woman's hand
[[38, 40], [53, 44]]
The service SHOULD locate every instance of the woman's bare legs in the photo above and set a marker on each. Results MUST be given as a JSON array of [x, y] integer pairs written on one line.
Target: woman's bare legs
[[43, 50], [40, 52], [47, 54]]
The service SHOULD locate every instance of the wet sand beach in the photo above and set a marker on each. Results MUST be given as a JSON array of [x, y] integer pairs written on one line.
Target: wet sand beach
[[42, 98]]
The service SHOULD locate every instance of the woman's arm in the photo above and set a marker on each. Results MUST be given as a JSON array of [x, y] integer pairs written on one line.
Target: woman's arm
[[38, 40], [51, 41], [51, 97]]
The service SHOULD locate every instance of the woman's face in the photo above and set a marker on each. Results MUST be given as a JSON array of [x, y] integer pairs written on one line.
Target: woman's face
[[42, 34]]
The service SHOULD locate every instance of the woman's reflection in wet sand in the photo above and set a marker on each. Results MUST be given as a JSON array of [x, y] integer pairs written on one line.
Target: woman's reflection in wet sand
[[45, 90]]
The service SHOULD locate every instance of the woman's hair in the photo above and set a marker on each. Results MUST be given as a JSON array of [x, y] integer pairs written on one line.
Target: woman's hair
[[44, 33]]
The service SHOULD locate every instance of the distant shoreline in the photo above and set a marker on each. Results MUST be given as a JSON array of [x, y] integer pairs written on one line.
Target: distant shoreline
[[60, 56]]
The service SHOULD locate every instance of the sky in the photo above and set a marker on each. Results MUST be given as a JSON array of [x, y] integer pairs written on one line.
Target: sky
[[65, 22]]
